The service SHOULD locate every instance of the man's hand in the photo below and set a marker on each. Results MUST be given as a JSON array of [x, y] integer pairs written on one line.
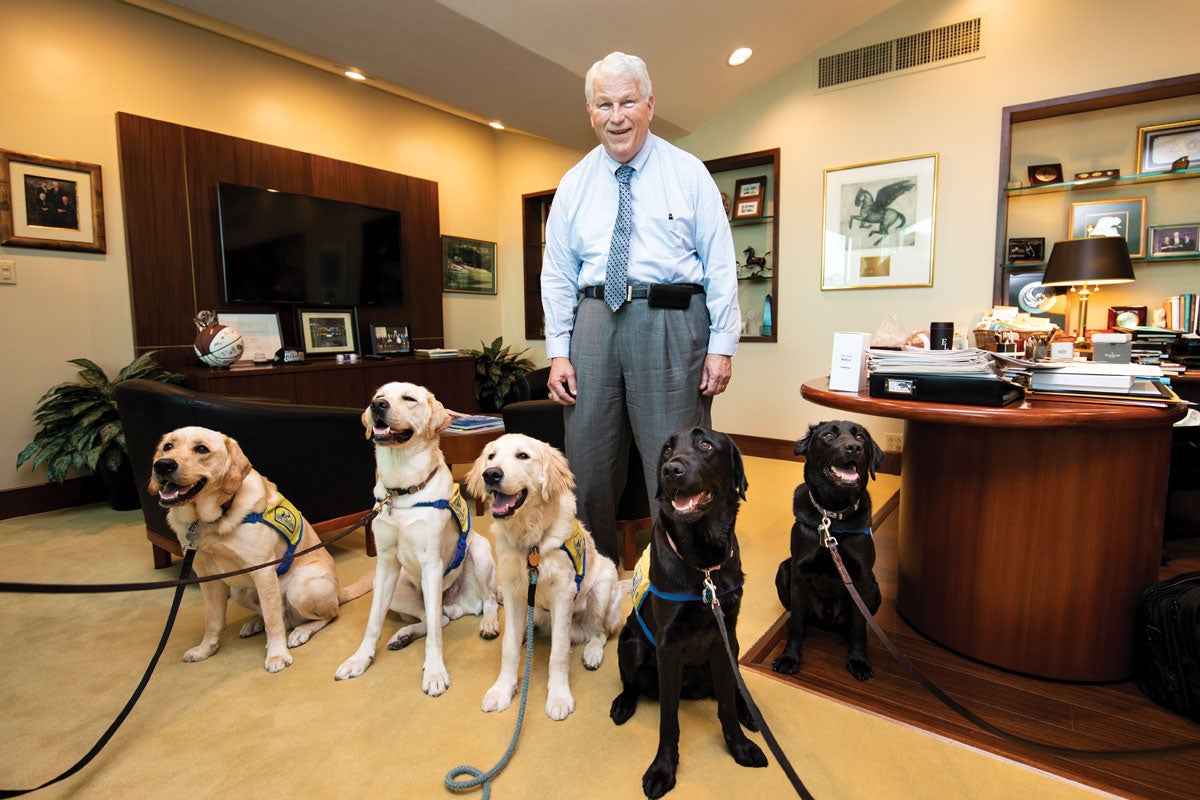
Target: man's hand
[[715, 379], [561, 382]]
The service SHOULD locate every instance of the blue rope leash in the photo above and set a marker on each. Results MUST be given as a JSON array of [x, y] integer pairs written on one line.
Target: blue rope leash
[[484, 778]]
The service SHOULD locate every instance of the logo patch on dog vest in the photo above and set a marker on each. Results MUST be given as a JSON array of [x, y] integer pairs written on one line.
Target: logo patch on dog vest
[[641, 578], [285, 519], [576, 550]]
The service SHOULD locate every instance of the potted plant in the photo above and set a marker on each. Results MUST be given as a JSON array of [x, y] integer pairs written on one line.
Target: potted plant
[[496, 373], [78, 426]]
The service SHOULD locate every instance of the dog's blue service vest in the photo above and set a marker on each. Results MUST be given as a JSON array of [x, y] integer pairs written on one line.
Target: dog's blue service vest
[[641, 588], [457, 506], [287, 522], [576, 550]]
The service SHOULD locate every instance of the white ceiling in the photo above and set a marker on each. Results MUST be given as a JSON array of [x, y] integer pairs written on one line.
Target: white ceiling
[[522, 61]]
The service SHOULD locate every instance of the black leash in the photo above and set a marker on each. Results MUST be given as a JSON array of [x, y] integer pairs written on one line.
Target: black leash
[[763, 728], [830, 542], [103, 588], [137, 693]]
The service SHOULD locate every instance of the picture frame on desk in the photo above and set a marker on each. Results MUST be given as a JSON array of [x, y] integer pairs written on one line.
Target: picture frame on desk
[[878, 224], [53, 203], [260, 333], [1124, 217], [390, 340], [1159, 146], [326, 331]]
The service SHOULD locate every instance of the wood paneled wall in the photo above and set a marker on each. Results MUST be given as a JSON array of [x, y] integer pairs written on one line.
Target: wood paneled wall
[[169, 177]]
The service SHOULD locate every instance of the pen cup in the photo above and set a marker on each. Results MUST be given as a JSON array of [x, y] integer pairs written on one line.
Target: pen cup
[[941, 335]]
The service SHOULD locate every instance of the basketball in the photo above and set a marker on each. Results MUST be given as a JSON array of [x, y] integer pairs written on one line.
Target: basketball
[[218, 345]]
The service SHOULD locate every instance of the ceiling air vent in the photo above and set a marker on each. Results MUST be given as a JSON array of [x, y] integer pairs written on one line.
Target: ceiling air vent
[[959, 41]]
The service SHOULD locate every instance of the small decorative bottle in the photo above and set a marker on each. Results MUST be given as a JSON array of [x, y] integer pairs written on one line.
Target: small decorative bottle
[[766, 318]]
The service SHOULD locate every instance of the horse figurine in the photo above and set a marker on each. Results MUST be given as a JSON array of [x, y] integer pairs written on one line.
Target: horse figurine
[[877, 210], [755, 264]]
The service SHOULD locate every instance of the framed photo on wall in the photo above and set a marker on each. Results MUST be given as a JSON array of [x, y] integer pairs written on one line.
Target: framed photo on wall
[[260, 333], [878, 224], [1124, 217], [326, 331], [1160, 146], [54, 204], [388, 340], [468, 265]]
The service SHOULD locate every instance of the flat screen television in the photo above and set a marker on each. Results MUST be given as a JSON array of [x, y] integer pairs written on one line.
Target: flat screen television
[[289, 248]]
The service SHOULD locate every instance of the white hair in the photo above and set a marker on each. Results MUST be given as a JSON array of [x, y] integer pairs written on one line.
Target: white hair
[[618, 63]]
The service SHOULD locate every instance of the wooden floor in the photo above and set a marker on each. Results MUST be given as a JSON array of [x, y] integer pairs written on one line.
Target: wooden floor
[[1088, 716]]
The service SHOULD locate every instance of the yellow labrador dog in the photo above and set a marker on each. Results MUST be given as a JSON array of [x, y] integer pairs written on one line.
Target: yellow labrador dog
[[431, 566], [577, 592], [236, 518]]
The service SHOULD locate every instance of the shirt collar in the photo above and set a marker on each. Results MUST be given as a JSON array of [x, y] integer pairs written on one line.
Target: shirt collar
[[638, 162]]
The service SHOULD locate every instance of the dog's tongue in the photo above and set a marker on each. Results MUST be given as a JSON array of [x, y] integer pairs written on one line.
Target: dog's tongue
[[848, 473], [377, 431], [686, 503], [172, 491], [503, 503]]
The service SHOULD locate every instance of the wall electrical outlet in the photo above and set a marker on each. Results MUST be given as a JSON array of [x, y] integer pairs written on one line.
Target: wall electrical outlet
[[8, 271], [893, 442]]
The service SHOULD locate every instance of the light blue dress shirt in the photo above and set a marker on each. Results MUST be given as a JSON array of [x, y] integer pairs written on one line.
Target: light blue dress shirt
[[680, 235]]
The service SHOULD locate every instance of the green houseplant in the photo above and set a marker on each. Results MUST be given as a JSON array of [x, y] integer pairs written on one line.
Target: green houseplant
[[496, 371], [78, 425]]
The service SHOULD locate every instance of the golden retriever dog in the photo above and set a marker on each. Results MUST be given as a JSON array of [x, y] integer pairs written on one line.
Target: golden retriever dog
[[578, 596], [430, 567], [236, 518]]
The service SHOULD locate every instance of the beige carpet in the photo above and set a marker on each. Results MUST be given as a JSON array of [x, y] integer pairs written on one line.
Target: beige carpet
[[225, 728]]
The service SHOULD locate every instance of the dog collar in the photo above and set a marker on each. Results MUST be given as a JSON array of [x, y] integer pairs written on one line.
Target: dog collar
[[709, 594], [641, 588], [838, 515], [400, 491]]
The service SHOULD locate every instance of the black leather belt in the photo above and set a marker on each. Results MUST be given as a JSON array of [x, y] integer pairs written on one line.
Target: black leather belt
[[637, 291]]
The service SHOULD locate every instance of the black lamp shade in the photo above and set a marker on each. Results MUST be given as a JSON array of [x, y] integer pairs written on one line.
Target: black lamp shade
[[1095, 260]]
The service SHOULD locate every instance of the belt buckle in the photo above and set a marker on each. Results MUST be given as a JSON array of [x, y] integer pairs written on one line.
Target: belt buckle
[[629, 293]]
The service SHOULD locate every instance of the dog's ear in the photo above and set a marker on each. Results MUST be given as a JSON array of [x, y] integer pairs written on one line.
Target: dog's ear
[[475, 474], [876, 453], [802, 445], [738, 471], [368, 422], [439, 420], [556, 473], [237, 467]]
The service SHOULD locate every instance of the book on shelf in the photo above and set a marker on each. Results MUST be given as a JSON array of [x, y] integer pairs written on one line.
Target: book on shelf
[[435, 352], [475, 423]]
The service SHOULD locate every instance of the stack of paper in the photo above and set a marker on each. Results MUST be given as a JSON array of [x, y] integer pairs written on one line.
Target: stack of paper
[[435, 352], [471, 424], [1142, 384], [971, 361]]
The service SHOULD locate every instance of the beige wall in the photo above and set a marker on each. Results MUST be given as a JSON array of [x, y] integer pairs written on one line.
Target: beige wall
[[64, 90]]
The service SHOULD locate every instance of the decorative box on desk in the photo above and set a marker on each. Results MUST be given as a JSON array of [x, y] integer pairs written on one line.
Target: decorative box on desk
[[328, 383]]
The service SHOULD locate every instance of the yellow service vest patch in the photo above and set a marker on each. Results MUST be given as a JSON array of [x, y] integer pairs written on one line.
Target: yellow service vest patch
[[641, 578]]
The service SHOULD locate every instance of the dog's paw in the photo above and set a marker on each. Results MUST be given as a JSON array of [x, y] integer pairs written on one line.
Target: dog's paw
[[623, 706], [198, 653], [860, 668], [278, 662], [559, 707], [489, 626], [786, 664], [253, 626], [435, 682], [746, 753], [498, 698], [352, 667], [659, 778], [593, 654], [300, 635], [400, 641]]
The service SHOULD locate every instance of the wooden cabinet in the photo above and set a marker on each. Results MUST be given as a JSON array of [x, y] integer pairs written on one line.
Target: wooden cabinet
[[755, 238], [1091, 133], [328, 383]]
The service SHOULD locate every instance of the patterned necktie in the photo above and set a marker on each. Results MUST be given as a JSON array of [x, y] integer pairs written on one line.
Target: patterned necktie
[[616, 274]]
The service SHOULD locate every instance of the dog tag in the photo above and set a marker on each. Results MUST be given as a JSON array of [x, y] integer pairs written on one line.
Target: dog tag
[[535, 558]]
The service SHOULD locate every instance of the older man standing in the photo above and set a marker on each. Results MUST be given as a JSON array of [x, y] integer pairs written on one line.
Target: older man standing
[[639, 288]]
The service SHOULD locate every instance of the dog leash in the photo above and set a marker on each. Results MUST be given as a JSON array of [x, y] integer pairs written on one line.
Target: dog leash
[[830, 542], [189, 556], [484, 779], [107, 588], [710, 594]]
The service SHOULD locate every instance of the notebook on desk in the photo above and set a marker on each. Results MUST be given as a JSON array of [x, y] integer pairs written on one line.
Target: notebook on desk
[[981, 389]]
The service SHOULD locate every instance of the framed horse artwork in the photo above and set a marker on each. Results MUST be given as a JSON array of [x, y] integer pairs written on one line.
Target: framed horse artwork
[[879, 224]]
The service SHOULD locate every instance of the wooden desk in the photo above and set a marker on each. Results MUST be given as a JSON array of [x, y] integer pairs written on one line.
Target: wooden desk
[[1027, 533]]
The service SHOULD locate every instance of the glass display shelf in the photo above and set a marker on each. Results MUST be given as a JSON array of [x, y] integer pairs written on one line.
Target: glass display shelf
[[1102, 183]]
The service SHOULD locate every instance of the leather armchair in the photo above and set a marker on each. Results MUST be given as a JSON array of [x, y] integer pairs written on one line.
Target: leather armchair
[[316, 455], [535, 414]]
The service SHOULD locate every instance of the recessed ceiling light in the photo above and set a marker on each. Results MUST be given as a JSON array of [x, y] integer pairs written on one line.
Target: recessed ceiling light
[[497, 124], [354, 74], [740, 56]]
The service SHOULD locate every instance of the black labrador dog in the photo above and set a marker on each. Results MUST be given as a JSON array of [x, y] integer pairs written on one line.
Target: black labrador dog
[[670, 647], [840, 457]]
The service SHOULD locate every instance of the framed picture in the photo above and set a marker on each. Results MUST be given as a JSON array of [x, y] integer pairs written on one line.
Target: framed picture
[[1160, 146], [1023, 289], [879, 224], [1171, 241], [1027, 249], [326, 331], [260, 333], [389, 340], [50, 203], [468, 265], [1123, 217], [1041, 174], [748, 196]]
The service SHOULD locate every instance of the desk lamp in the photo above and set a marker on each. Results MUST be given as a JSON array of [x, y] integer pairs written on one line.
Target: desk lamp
[[1088, 262]]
